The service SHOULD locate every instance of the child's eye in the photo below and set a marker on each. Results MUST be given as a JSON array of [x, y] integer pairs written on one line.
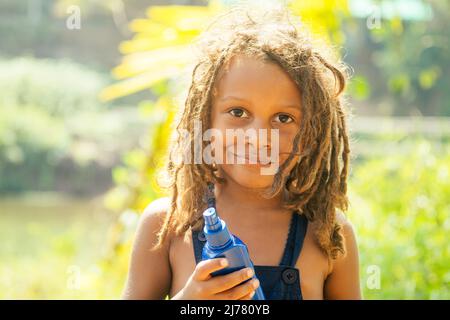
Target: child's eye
[[238, 113], [284, 118]]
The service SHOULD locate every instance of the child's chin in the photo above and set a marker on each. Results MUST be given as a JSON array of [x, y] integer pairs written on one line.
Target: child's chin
[[251, 179]]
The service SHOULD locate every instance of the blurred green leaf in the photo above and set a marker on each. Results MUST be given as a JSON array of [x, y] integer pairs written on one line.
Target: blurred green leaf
[[359, 88]]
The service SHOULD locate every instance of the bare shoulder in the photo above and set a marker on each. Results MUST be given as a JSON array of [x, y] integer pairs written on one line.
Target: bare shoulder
[[152, 219], [155, 212], [347, 226], [343, 280], [157, 209], [349, 237], [149, 272], [346, 231], [349, 240]]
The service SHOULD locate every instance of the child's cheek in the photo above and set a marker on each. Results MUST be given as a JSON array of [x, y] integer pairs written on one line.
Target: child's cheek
[[286, 138]]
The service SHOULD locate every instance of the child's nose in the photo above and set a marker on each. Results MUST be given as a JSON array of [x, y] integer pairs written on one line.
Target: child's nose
[[263, 133]]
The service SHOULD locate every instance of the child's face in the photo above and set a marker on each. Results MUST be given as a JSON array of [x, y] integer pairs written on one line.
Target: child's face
[[252, 94]]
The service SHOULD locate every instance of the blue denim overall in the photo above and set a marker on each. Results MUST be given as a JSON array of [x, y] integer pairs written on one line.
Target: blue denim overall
[[280, 282]]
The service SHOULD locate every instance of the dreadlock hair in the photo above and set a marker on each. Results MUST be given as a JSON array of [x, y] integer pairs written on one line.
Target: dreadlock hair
[[317, 185]]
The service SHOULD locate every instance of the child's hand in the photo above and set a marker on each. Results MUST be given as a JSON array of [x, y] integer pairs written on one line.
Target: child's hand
[[202, 286]]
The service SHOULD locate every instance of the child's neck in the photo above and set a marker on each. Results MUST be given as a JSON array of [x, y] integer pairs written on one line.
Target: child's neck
[[232, 197]]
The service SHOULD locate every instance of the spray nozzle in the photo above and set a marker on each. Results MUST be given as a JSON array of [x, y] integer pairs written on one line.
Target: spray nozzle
[[210, 198], [212, 220]]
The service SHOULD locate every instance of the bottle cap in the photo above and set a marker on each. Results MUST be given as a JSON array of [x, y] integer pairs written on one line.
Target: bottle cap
[[212, 221]]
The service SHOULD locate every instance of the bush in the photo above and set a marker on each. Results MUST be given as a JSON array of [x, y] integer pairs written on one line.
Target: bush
[[57, 87], [400, 212], [54, 133]]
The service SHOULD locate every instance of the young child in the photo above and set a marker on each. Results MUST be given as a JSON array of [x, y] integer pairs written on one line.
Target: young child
[[257, 72]]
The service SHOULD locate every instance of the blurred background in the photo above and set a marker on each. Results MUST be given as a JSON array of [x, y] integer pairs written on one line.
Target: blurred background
[[88, 90]]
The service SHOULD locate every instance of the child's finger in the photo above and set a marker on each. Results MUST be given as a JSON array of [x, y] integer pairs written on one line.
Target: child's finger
[[206, 267], [248, 296], [223, 283], [239, 291]]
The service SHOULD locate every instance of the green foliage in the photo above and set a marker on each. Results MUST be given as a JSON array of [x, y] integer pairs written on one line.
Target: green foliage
[[39, 98], [359, 88], [400, 212], [54, 133], [413, 56], [58, 88]]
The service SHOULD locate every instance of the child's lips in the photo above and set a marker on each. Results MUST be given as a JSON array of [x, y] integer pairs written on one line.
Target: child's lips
[[255, 160]]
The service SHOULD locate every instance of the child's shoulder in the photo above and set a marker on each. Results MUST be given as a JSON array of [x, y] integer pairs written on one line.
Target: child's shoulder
[[348, 231], [157, 208], [344, 222], [342, 219], [153, 217], [349, 238], [344, 270]]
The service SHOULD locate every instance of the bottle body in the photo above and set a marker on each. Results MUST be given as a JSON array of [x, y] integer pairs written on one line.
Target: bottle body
[[220, 243]]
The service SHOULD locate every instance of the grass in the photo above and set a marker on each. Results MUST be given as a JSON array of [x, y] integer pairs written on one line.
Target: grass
[[50, 248]]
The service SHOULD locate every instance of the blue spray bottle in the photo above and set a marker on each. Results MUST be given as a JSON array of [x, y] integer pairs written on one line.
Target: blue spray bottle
[[220, 243]]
